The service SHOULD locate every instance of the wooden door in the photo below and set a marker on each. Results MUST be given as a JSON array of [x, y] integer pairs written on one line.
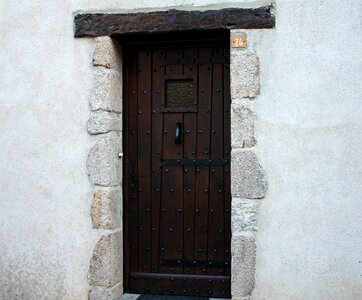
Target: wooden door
[[177, 169]]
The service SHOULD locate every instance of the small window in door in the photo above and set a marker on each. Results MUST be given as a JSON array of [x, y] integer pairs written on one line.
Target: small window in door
[[179, 94]]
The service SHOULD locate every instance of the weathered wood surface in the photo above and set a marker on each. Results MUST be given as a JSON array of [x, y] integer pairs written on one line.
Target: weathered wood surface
[[99, 24], [177, 195]]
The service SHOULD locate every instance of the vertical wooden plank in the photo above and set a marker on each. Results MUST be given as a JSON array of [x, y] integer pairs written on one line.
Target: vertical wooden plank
[[131, 159], [216, 201], [157, 134], [144, 161], [172, 182], [203, 151], [127, 178], [190, 126], [227, 149]]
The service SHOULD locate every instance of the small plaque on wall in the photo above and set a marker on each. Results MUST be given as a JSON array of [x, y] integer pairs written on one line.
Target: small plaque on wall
[[239, 41]]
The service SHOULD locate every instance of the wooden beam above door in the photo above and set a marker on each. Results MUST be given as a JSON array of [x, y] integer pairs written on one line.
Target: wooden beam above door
[[102, 24]]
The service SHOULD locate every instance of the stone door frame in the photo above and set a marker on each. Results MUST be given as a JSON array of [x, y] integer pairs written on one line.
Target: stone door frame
[[104, 163]]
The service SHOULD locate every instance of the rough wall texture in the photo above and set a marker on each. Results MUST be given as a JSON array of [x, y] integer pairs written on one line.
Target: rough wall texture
[[106, 263], [243, 275], [309, 120], [104, 164], [248, 180], [242, 127], [308, 142], [104, 293], [105, 96], [106, 209], [244, 74]]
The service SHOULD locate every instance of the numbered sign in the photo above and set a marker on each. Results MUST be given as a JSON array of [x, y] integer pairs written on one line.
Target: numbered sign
[[239, 41]]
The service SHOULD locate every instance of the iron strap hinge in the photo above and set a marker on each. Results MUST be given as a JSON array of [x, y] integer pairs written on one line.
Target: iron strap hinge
[[191, 60], [195, 263], [195, 162]]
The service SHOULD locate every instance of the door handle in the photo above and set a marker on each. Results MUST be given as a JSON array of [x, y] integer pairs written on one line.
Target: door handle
[[178, 136]]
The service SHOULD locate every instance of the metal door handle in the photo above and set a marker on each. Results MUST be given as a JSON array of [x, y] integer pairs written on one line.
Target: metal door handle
[[178, 137]]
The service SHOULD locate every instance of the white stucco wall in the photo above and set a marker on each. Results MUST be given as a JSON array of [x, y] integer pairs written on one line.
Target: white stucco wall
[[309, 133], [309, 143]]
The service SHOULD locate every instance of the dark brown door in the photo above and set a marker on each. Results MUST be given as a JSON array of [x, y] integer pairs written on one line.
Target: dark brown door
[[177, 169]]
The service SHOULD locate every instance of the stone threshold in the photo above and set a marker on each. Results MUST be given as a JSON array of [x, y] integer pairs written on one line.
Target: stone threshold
[[135, 296]]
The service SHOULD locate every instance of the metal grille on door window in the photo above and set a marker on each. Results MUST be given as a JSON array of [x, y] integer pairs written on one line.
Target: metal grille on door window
[[179, 94]]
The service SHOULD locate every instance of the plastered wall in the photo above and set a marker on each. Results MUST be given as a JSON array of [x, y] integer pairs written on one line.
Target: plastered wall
[[308, 131], [309, 143]]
